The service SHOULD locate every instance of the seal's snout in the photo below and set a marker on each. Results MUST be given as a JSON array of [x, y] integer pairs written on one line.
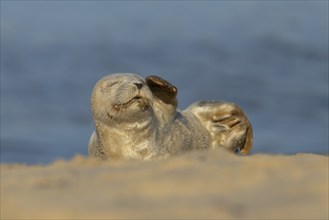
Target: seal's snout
[[138, 85]]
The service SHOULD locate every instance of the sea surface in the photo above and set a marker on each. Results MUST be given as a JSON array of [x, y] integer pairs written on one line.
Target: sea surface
[[270, 57]]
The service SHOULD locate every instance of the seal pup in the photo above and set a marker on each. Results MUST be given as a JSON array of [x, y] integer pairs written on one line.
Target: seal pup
[[138, 119]]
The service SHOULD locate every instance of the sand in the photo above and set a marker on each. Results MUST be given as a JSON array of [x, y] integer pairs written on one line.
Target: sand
[[198, 185]]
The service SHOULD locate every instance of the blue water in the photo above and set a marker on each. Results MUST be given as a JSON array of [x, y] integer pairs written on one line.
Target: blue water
[[270, 57]]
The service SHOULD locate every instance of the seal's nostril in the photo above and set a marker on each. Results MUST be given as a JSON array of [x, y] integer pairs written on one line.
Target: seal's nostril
[[139, 85]]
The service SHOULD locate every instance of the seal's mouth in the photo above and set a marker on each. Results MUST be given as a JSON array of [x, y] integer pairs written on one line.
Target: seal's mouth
[[142, 103]]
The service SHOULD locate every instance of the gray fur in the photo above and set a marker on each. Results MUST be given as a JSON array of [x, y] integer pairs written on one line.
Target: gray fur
[[135, 121]]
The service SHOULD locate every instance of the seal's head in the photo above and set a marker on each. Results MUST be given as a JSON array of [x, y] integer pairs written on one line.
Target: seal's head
[[129, 113], [120, 98]]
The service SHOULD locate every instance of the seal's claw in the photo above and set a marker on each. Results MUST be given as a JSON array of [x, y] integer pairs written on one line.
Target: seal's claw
[[248, 142]]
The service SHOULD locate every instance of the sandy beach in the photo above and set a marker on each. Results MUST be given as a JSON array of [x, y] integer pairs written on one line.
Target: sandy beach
[[198, 185]]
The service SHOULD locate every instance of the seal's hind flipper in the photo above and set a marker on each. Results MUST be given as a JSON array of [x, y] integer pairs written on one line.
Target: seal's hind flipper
[[226, 123], [248, 141]]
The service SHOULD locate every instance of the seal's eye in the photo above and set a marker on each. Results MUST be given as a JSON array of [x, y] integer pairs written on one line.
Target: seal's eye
[[107, 85], [110, 84]]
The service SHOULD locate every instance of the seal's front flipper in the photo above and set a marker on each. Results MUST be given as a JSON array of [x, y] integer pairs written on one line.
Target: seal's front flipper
[[165, 102], [226, 123], [162, 89]]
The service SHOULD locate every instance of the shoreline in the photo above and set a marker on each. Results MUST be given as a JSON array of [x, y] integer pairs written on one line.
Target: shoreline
[[212, 184]]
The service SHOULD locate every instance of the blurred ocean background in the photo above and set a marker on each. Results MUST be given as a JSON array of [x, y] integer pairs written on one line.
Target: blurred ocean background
[[270, 57]]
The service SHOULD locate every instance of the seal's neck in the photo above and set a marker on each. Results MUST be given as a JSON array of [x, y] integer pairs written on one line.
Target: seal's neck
[[128, 140], [165, 112]]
